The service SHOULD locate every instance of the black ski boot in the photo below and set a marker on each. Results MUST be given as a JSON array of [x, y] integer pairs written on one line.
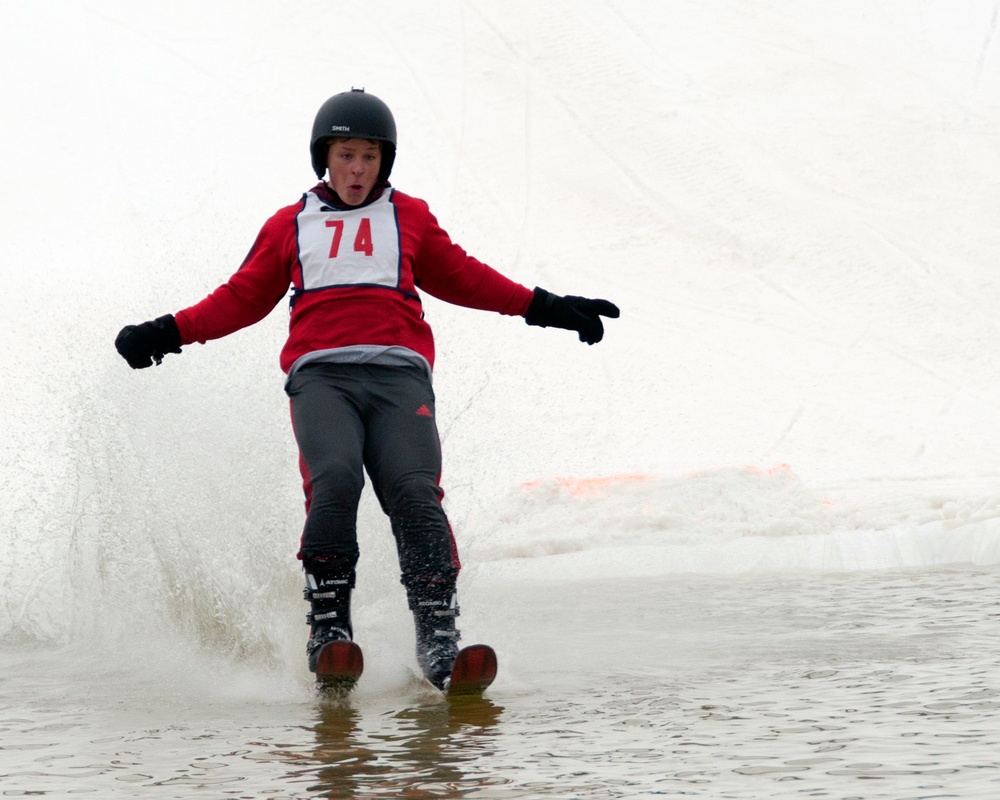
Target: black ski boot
[[435, 606], [333, 656]]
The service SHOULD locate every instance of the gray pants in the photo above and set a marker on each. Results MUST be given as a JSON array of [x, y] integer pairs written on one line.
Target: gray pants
[[352, 418]]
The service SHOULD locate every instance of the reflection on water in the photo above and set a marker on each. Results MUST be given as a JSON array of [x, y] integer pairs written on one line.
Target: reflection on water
[[423, 751], [872, 687]]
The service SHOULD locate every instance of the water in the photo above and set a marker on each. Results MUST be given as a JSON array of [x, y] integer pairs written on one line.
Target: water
[[863, 685]]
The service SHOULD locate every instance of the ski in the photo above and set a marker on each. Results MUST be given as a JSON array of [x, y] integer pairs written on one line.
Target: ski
[[339, 664], [474, 670]]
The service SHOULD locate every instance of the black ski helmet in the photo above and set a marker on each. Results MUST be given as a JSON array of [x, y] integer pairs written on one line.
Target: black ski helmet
[[353, 115]]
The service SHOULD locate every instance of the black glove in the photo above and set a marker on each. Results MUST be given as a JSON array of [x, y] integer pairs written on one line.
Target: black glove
[[141, 345], [580, 314]]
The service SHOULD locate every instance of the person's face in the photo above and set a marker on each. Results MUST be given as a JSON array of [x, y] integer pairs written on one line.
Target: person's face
[[354, 166]]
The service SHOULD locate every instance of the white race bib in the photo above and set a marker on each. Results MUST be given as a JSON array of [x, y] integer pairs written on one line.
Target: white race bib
[[353, 247]]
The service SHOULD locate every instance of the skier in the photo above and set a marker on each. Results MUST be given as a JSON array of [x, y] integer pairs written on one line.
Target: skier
[[358, 357]]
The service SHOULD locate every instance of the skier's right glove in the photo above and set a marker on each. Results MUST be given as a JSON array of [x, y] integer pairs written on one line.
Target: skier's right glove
[[141, 345], [580, 314]]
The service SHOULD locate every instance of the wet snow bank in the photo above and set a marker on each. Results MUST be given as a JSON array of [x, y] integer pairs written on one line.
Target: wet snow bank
[[731, 520]]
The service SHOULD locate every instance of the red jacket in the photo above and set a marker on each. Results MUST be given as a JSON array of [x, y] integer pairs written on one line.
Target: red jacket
[[354, 274]]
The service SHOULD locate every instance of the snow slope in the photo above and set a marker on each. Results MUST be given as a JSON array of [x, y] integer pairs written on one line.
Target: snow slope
[[794, 204]]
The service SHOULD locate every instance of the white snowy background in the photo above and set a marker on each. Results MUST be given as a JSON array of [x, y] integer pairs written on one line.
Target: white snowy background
[[795, 205]]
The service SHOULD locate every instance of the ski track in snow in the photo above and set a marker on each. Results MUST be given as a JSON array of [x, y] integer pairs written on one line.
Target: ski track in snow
[[988, 42]]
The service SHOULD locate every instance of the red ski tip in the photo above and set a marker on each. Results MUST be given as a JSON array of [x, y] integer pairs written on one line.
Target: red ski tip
[[475, 668], [339, 664]]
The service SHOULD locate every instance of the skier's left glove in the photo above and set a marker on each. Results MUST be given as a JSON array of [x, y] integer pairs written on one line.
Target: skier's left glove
[[580, 314], [141, 345]]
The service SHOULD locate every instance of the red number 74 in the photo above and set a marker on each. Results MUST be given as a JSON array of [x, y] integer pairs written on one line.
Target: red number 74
[[362, 241]]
